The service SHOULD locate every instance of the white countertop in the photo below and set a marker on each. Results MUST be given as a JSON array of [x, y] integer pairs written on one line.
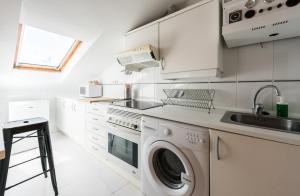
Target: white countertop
[[200, 117]]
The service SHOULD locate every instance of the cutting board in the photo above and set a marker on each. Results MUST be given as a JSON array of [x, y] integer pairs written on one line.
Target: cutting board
[[2, 151]]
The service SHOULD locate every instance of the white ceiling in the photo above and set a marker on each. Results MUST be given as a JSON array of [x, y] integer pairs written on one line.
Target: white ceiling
[[100, 24]]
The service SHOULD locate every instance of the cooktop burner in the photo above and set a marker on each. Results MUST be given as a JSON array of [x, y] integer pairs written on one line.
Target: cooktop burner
[[140, 105]]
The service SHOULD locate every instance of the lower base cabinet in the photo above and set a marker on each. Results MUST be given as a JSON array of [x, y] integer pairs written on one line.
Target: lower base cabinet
[[248, 166], [70, 118]]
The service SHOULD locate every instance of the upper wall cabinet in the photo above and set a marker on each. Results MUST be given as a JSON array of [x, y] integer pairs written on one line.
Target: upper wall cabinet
[[190, 44], [189, 41], [143, 36]]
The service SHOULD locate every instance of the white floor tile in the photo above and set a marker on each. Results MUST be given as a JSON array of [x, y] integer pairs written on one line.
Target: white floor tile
[[128, 190], [78, 173]]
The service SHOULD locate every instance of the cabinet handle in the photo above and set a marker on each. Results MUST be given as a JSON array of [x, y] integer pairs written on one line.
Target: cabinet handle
[[94, 138], [94, 148], [95, 118], [74, 107], [162, 64], [95, 109], [217, 148]]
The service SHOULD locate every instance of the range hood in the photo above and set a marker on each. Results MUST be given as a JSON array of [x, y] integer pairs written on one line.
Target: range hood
[[136, 59]]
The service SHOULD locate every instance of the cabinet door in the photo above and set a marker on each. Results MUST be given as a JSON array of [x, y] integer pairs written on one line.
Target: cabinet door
[[247, 166], [67, 116], [146, 35], [77, 131], [59, 113], [190, 41]]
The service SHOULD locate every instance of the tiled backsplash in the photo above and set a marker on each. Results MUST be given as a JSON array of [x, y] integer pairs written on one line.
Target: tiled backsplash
[[245, 70]]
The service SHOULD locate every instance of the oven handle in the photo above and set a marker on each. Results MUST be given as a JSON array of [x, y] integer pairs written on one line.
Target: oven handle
[[124, 129], [112, 141], [128, 134]]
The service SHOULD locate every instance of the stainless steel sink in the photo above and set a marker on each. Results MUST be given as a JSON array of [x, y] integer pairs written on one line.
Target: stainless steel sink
[[267, 122]]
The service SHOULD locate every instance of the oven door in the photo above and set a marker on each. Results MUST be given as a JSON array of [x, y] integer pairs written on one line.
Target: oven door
[[124, 148]]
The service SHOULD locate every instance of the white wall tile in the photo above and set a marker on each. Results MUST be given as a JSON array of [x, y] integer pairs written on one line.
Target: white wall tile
[[246, 92], [137, 91], [148, 91], [225, 96], [230, 63], [145, 76], [291, 93], [255, 62], [287, 59], [115, 91]]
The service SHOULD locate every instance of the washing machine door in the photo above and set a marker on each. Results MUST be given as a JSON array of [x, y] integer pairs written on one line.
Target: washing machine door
[[168, 169]]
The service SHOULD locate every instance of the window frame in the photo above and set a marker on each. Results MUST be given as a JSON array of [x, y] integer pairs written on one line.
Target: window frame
[[34, 67]]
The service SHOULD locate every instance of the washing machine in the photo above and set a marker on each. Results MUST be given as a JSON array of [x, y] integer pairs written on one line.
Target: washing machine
[[175, 158]]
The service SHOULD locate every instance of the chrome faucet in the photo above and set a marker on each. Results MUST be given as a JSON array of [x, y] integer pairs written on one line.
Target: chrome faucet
[[258, 108]]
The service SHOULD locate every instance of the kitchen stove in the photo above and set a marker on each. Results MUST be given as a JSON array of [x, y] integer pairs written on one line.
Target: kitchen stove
[[124, 135], [139, 105]]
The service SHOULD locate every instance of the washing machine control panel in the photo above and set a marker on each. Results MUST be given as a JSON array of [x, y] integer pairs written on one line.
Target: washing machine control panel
[[193, 137]]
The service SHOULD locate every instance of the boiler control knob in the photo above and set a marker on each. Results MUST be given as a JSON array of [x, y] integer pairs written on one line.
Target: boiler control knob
[[250, 4], [268, 1], [202, 141], [167, 132]]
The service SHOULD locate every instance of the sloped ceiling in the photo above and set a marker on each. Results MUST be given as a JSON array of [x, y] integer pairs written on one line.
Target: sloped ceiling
[[100, 24]]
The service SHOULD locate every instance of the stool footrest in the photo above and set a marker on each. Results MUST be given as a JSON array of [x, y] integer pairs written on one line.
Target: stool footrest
[[25, 162], [25, 137], [7, 188]]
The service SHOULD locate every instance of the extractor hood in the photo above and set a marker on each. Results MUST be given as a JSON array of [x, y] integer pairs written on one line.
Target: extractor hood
[[136, 59]]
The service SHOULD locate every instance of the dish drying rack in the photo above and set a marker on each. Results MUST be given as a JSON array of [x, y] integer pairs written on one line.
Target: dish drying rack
[[196, 98]]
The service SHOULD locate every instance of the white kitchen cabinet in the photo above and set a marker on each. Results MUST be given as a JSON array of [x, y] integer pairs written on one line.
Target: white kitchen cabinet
[[190, 42], [20, 110], [143, 36], [60, 114], [77, 122], [248, 166], [96, 130], [70, 118]]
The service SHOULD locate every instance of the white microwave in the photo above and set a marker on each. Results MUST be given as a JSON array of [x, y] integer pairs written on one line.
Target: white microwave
[[91, 90]]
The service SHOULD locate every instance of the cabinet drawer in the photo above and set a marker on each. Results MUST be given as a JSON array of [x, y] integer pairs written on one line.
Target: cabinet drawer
[[98, 109], [28, 109], [98, 140], [97, 129], [95, 119], [97, 151]]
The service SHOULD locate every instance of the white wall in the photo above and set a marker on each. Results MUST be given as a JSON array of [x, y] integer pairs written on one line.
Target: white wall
[[100, 24], [246, 69]]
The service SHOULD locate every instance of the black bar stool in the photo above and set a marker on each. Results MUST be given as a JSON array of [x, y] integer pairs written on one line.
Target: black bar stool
[[41, 131]]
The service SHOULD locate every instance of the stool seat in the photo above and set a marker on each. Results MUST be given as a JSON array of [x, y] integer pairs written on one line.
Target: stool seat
[[41, 129], [22, 126]]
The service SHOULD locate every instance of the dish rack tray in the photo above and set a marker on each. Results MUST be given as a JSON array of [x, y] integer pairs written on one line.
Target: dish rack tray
[[197, 98]]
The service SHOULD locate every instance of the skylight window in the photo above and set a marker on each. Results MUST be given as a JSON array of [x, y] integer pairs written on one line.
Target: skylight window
[[38, 49]]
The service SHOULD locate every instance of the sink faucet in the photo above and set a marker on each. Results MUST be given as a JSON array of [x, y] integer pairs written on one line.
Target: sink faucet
[[258, 108]]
